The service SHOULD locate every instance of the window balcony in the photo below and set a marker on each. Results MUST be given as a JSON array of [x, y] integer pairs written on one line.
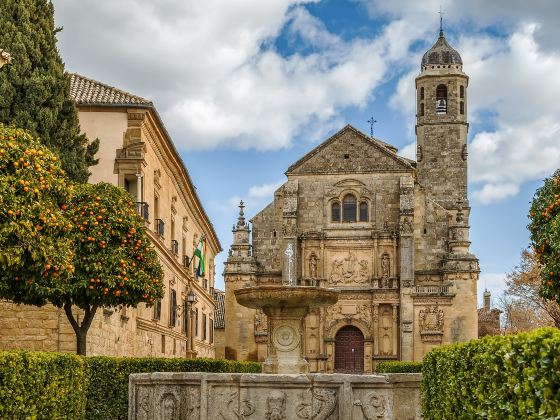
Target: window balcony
[[160, 227], [143, 210]]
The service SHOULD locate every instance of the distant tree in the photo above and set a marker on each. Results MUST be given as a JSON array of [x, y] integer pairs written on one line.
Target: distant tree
[[35, 90], [36, 252], [523, 286], [545, 235], [115, 263]]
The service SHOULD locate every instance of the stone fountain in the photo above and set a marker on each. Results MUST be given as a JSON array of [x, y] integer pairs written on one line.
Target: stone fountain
[[286, 308], [286, 390]]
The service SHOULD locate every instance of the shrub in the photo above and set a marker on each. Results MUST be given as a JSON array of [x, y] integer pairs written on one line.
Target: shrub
[[42, 386], [107, 396], [399, 367], [515, 376]]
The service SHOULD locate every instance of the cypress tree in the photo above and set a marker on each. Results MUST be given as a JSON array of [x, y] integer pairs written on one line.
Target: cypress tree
[[35, 89]]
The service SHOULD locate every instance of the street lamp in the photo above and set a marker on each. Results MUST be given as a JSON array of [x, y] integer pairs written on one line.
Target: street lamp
[[191, 300], [5, 58]]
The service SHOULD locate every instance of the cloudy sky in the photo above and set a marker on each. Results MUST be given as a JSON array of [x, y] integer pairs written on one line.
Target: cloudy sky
[[246, 87]]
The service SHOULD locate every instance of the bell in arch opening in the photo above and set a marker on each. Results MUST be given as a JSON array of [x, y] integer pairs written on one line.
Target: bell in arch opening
[[441, 99]]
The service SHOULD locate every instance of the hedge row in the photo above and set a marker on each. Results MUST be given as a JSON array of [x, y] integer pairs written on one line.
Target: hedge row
[[35, 385], [399, 367], [42, 385], [501, 377]]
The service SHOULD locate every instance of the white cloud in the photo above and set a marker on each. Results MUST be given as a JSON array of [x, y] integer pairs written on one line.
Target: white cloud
[[409, 151], [490, 193], [264, 190], [212, 69]]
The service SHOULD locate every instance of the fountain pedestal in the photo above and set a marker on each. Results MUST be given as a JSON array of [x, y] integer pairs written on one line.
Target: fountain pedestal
[[286, 308]]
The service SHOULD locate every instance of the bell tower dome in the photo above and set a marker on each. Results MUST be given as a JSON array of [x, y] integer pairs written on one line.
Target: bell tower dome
[[441, 124]]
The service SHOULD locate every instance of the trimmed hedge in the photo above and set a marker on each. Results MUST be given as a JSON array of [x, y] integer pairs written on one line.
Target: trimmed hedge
[[37, 385], [501, 377], [107, 396], [42, 386], [399, 367]]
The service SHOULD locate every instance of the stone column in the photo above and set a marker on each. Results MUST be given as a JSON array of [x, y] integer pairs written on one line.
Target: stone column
[[375, 329], [289, 231], [395, 329], [406, 229]]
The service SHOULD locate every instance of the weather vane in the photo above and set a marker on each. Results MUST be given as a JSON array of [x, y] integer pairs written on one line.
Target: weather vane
[[371, 121]]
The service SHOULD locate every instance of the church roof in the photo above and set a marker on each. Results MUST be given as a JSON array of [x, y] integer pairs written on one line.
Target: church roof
[[371, 155], [86, 91], [441, 53]]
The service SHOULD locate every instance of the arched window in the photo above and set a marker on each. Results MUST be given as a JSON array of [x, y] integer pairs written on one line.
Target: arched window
[[462, 107], [363, 212], [335, 212], [441, 99], [461, 91], [422, 109], [421, 93], [349, 208]]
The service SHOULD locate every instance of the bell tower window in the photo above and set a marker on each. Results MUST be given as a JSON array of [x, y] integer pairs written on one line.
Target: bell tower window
[[349, 208], [461, 107], [421, 93], [422, 109], [461, 91], [441, 99]]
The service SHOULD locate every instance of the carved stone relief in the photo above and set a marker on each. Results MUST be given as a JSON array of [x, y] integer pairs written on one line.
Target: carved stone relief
[[276, 406], [373, 406], [285, 338], [431, 323], [406, 227], [261, 323], [323, 405], [169, 406], [349, 270], [226, 405]]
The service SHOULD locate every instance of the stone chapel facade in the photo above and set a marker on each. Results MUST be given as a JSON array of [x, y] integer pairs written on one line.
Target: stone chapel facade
[[391, 234]]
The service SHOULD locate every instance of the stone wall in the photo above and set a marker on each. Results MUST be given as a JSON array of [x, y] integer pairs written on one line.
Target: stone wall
[[209, 396]]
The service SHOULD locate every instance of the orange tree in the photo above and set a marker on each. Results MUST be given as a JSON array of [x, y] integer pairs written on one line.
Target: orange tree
[[545, 235], [115, 263], [36, 257]]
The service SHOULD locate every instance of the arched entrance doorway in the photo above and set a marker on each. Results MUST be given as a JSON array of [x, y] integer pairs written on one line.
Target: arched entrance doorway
[[349, 350]]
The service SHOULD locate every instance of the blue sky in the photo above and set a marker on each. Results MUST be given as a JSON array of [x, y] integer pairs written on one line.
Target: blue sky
[[247, 87]]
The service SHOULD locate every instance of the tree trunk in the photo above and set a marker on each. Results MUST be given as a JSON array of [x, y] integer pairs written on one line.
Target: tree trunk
[[80, 330]]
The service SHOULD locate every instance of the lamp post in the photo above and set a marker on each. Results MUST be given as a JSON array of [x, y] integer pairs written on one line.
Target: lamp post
[[191, 300], [5, 58]]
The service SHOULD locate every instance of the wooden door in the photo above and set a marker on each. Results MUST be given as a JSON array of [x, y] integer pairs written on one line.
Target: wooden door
[[349, 350]]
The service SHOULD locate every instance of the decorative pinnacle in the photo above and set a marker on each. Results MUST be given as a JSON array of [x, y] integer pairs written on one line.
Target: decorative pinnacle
[[241, 218]]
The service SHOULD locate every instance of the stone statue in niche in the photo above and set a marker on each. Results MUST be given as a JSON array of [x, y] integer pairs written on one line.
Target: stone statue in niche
[[373, 407], [431, 319], [385, 266], [364, 271], [276, 406], [313, 266]]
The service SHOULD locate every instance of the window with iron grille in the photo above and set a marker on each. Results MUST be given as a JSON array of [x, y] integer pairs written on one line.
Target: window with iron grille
[[172, 308]]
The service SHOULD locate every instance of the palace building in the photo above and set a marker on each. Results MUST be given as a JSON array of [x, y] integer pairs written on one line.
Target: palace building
[[391, 234], [136, 153]]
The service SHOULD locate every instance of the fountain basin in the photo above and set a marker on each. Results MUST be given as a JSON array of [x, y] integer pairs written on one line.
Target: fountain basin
[[276, 296], [286, 308]]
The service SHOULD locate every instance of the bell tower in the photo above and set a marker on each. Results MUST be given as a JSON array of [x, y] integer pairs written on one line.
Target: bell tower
[[441, 124]]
